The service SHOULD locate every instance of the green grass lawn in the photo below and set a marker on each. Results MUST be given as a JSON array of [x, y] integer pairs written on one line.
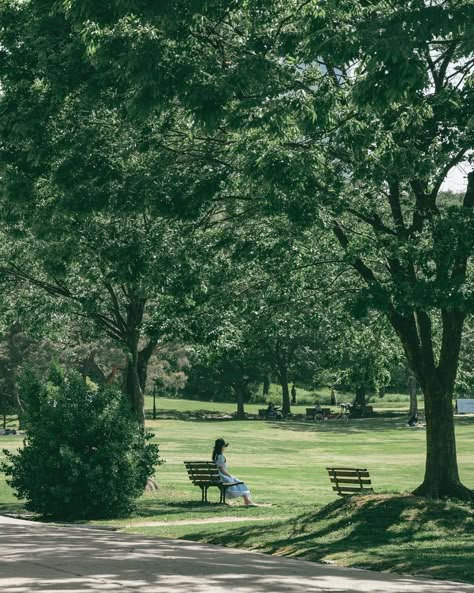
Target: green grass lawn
[[180, 408], [284, 465]]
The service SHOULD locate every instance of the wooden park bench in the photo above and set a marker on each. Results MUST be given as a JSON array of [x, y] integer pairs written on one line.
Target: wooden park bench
[[204, 474], [350, 480]]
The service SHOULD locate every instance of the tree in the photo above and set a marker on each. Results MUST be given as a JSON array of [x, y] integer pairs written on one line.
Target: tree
[[95, 226], [377, 114], [347, 115], [366, 351], [84, 455], [88, 196], [228, 356]]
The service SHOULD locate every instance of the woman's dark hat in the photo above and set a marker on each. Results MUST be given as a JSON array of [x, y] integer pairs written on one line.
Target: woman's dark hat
[[221, 443]]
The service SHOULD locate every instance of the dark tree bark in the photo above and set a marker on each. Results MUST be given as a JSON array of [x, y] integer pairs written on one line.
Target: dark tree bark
[[282, 373], [266, 384], [135, 379], [413, 411], [144, 356], [240, 393], [360, 399], [282, 355], [88, 367], [137, 363], [133, 388], [441, 469]]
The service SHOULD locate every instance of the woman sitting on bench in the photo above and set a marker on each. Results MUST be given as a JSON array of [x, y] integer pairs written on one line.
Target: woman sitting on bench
[[239, 489]]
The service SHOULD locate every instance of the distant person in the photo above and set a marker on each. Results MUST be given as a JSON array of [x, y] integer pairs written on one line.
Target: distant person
[[240, 489], [293, 394], [273, 412], [333, 397]]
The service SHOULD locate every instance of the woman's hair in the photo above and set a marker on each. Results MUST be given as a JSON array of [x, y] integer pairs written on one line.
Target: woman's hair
[[218, 446]]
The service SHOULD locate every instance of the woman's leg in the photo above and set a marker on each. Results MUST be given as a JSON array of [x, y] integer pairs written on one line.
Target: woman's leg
[[248, 502]]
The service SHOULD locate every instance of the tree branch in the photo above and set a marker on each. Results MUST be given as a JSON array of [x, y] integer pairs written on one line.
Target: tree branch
[[395, 206], [375, 222]]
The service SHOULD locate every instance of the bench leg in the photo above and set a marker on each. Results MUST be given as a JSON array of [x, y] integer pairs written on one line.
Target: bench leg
[[222, 499]]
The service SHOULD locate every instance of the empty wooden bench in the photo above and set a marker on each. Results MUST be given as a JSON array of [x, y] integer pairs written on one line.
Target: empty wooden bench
[[205, 475], [350, 480]]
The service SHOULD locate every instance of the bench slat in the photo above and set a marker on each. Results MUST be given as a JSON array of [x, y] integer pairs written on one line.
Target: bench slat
[[338, 480], [349, 474], [203, 466], [349, 489], [347, 469]]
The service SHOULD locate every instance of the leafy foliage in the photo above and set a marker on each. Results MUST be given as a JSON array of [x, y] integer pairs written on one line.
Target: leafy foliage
[[84, 456]]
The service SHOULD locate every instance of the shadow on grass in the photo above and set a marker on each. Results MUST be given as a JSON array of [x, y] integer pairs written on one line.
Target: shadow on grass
[[12, 508], [397, 533], [356, 425], [154, 508], [191, 415], [296, 424]]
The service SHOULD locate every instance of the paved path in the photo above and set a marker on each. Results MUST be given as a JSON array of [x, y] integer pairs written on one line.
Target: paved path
[[43, 558]]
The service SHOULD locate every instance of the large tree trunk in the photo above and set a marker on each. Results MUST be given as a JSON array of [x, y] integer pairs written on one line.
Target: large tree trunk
[[441, 469], [437, 383], [144, 356], [135, 379], [137, 363], [133, 388], [360, 399]]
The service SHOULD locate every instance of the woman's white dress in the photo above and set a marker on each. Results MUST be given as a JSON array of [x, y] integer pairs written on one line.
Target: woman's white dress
[[231, 491]]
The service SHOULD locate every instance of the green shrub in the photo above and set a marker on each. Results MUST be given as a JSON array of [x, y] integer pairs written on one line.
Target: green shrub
[[84, 456]]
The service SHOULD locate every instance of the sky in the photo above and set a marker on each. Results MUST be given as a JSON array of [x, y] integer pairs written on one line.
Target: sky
[[457, 178]]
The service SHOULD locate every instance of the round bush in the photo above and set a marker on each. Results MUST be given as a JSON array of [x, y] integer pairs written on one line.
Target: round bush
[[84, 456]]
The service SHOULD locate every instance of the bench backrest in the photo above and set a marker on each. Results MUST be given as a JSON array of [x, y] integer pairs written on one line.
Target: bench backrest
[[349, 480], [202, 472]]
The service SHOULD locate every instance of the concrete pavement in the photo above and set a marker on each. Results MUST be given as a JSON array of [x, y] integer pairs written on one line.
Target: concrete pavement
[[44, 558]]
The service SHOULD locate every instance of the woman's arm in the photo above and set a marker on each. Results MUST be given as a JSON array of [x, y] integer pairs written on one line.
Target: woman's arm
[[220, 462], [223, 471]]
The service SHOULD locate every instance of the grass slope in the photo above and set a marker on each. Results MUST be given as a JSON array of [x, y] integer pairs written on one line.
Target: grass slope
[[284, 465]]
